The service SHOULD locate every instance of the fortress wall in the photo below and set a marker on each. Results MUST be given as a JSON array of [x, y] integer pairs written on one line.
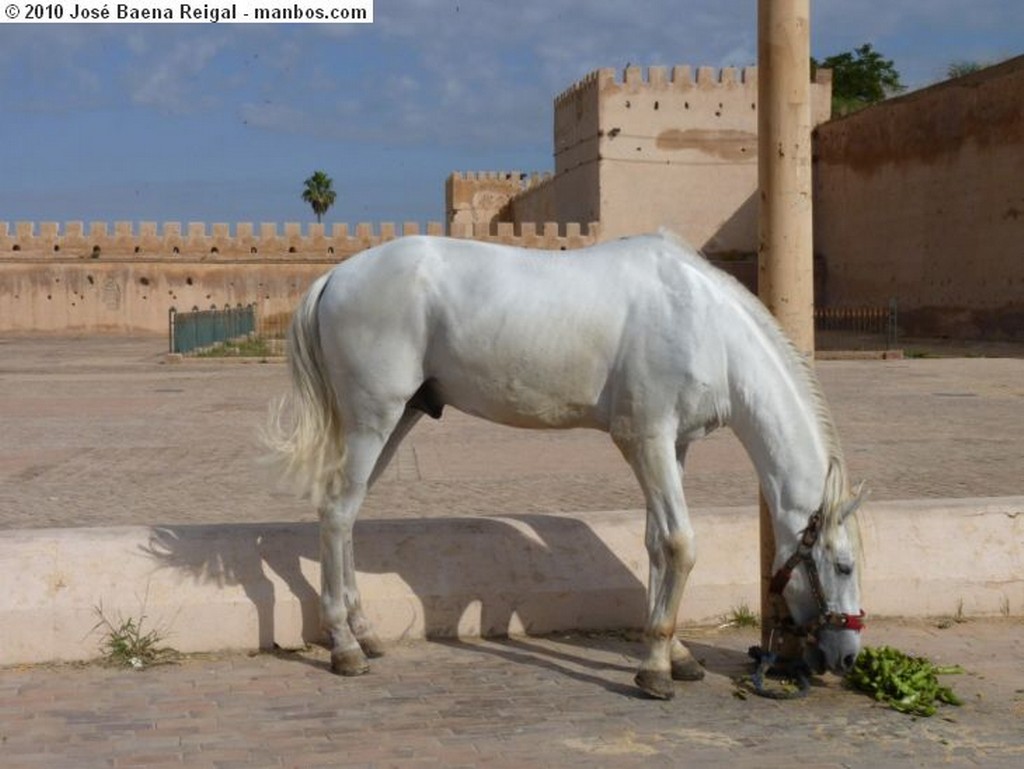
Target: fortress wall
[[665, 147], [197, 239], [473, 198], [538, 203], [577, 121], [551, 236], [52, 282], [135, 296], [486, 196], [921, 198], [576, 192], [655, 147], [680, 151]]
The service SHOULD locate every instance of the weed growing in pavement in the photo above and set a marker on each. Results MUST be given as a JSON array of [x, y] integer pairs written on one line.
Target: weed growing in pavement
[[741, 616], [957, 619], [126, 644], [246, 347]]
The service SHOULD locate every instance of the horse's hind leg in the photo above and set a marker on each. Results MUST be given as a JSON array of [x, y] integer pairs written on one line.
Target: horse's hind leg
[[349, 632], [409, 419], [337, 517], [358, 623]]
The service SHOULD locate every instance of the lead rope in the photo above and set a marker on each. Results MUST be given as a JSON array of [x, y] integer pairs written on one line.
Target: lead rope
[[768, 663]]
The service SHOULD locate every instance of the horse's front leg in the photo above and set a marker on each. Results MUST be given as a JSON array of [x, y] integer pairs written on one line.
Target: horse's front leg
[[672, 551], [685, 666]]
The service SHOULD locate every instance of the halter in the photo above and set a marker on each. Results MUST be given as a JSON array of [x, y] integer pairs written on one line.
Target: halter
[[766, 659], [825, 618]]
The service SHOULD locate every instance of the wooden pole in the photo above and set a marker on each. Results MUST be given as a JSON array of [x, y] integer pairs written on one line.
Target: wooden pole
[[785, 252]]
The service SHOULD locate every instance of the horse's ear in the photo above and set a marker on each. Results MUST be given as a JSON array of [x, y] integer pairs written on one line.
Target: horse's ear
[[860, 496]]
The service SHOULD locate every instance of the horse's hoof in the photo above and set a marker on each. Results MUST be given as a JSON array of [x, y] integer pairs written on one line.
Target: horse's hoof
[[687, 670], [351, 662], [655, 684], [371, 646]]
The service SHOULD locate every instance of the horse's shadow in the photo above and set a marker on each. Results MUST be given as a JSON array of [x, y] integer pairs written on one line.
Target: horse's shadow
[[503, 576], [510, 572]]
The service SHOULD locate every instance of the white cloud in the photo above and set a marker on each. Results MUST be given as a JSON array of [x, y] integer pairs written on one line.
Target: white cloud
[[172, 80]]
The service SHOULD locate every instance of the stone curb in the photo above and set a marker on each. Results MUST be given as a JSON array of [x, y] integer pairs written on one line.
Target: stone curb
[[207, 588]]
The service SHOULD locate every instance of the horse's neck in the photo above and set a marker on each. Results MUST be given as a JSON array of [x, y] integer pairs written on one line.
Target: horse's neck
[[775, 416]]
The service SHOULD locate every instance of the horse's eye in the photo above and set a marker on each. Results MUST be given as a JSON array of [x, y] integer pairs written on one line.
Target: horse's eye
[[845, 569]]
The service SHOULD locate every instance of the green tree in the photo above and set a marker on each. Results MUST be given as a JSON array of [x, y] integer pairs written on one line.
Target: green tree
[[319, 193], [859, 78]]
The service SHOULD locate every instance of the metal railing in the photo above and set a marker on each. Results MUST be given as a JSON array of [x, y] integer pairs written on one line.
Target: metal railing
[[200, 329], [881, 321]]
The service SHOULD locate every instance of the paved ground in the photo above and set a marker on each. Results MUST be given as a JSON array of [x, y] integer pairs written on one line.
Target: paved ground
[[563, 701], [100, 432], [103, 432]]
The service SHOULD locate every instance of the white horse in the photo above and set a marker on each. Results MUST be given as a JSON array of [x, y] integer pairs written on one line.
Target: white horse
[[640, 338]]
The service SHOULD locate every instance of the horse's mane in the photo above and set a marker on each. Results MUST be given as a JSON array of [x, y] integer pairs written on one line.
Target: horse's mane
[[837, 485]]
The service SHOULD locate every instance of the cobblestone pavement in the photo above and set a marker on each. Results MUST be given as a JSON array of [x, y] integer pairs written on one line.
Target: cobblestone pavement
[[100, 431], [561, 701]]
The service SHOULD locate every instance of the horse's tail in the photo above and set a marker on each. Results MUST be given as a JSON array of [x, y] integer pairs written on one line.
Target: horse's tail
[[310, 450]]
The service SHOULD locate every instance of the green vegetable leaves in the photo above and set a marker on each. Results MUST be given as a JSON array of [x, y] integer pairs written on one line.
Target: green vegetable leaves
[[907, 684]]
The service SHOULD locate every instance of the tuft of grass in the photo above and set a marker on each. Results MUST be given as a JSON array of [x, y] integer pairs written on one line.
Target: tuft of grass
[[957, 619], [742, 616], [126, 644], [245, 347]]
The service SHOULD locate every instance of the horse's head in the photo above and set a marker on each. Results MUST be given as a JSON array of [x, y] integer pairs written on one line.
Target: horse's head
[[821, 588]]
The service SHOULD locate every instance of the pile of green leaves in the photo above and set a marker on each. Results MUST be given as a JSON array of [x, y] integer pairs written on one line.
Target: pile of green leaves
[[907, 684]]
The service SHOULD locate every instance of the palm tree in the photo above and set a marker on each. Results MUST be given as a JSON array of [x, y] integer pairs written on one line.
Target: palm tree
[[319, 193]]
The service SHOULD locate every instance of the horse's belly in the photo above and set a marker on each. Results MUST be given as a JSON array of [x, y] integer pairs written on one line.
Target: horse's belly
[[525, 393]]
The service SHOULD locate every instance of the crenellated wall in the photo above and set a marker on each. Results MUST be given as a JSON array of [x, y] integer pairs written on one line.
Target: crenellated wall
[[71, 278], [536, 203], [198, 238], [919, 198], [484, 196], [674, 148], [655, 147]]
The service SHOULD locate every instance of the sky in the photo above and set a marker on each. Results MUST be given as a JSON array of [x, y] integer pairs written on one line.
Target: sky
[[223, 122]]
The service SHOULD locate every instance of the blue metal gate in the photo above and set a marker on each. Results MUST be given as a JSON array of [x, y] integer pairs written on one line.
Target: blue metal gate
[[190, 331]]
